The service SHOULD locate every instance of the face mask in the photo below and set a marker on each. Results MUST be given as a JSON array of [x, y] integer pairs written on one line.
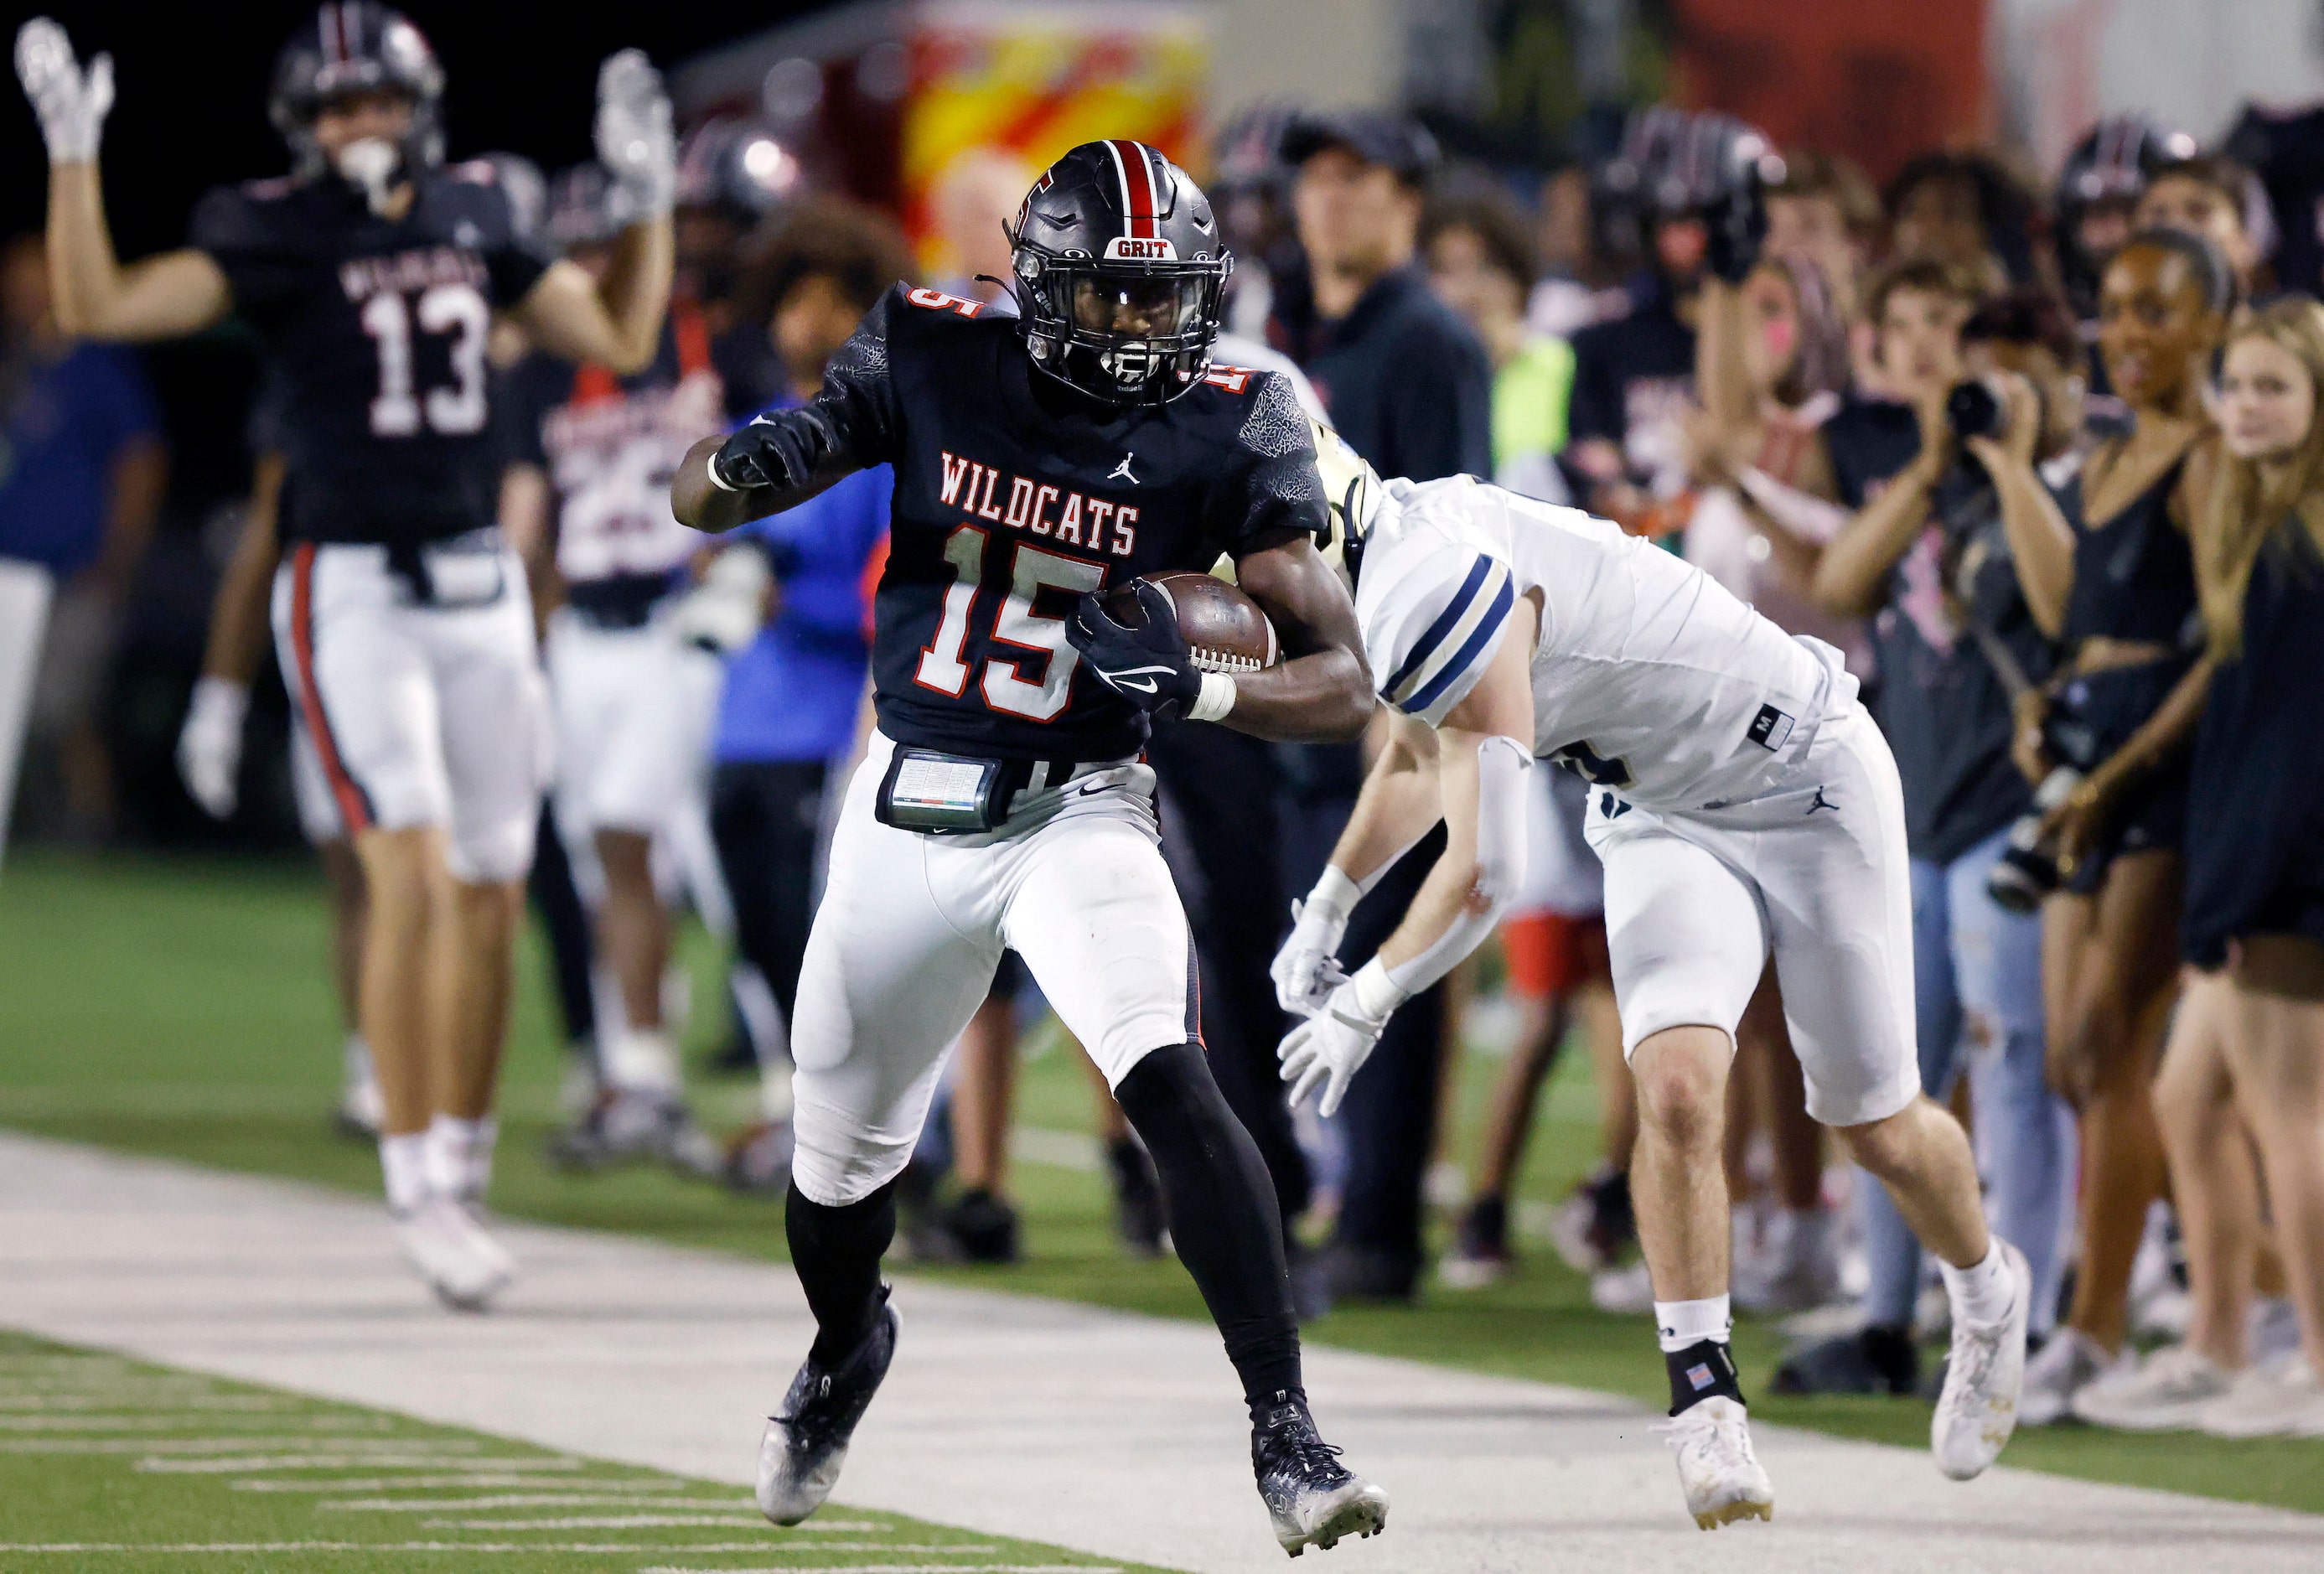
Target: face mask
[[369, 164]]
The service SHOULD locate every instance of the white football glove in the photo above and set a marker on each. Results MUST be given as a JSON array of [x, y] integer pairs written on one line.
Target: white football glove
[[722, 613], [635, 141], [1330, 1048], [72, 103], [209, 745], [1307, 968]]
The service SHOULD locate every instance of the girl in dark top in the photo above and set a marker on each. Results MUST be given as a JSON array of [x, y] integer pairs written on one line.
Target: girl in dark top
[[2245, 1070], [2106, 570]]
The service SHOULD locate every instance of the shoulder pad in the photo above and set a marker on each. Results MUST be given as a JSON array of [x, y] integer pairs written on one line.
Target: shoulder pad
[[937, 300]]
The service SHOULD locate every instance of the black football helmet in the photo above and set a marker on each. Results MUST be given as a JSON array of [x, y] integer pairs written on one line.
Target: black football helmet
[[1121, 275], [2109, 168], [353, 47]]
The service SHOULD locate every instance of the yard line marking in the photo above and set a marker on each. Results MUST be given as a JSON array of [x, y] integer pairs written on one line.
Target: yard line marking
[[597, 1521], [665, 1497], [379, 1461], [241, 1445], [439, 1483], [187, 1401]]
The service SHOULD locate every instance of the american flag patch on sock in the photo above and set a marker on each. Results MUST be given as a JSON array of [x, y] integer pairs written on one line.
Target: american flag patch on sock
[[1700, 1375]]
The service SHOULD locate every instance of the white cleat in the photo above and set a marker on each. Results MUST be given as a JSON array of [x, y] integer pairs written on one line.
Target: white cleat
[[2170, 1388], [1722, 1475], [1977, 1410], [464, 1265]]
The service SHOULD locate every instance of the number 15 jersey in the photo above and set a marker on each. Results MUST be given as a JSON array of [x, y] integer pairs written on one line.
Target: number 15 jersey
[[376, 331], [1649, 676], [1013, 498]]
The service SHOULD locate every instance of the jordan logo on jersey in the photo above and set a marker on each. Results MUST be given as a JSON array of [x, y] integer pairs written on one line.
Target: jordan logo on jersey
[[1121, 471], [1039, 508]]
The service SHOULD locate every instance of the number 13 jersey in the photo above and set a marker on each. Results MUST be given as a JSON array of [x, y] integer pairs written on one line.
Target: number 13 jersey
[[376, 331], [1649, 676], [1012, 498]]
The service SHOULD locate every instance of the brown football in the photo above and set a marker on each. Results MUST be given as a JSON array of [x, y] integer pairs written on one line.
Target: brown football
[[1224, 629]]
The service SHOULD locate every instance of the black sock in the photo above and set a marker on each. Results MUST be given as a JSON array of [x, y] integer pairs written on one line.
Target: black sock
[[837, 1251], [1700, 1370], [1222, 1213]]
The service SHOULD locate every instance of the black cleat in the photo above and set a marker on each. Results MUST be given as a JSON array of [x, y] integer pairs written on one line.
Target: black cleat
[[985, 1227], [806, 1443], [1138, 1216], [1312, 1498]]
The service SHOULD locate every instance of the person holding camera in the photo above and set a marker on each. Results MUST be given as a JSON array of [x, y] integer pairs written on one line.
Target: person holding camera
[[1924, 555], [2108, 572], [2243, 1076]]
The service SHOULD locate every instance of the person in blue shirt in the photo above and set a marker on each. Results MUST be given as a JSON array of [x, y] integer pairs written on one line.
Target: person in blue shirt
[[788, 715], [82, 470]]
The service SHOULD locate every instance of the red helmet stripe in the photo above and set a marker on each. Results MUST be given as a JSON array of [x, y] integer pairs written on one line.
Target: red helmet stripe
[[1138, 195]]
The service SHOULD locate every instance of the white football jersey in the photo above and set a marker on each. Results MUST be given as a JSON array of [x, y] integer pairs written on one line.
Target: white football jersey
[[1648, 676]]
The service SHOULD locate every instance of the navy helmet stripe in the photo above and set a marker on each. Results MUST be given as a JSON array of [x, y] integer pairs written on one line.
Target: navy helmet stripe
[[1446, 621]]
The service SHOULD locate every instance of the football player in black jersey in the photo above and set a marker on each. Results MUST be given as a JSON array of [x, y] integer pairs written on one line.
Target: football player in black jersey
[[1039, 460], [371, 275]]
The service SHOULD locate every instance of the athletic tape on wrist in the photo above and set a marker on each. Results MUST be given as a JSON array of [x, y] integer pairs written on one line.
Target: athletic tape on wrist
[[1217, 698]]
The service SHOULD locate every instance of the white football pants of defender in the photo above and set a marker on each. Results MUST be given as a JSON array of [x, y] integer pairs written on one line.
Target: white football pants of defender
[[26, 589], [1816, 870], [634, 710], [418, 716], [912, 926]]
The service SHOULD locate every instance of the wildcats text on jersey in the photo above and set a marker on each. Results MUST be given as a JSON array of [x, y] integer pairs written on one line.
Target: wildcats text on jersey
[[1040, 507], [423, 268]]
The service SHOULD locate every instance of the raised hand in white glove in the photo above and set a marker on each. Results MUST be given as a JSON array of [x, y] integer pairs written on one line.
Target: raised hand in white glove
[[209, 745], [722, 613], [72, 103], [1330, 1048], [635, 140], [1307, 968]]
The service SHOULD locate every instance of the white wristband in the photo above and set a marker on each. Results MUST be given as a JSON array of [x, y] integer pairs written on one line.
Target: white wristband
[[1377, 994], [1217, 698], [223, 698], [717, 479]]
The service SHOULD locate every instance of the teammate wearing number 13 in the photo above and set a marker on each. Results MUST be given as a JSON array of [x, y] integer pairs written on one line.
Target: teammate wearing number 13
[[1039, 460], [371, 275]]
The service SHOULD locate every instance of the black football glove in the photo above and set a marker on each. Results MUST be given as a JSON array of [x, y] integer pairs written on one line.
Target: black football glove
[[1151, 667], [769, 452]]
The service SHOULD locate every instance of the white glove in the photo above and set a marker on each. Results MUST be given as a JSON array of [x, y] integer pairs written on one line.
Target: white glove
[[1307, 968], [1330, 1048], [722, 613], [635, 141], [72, 103], [209, 745]]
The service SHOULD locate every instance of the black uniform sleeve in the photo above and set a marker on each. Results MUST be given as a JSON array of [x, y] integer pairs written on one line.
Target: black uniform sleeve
[[854, 422], [1273, 489], [537, 385], [247, 237], [516, 258], [1440, 404], [1596, 409]]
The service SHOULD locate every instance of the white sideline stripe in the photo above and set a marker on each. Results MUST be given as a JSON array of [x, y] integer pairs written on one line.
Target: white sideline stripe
[[439, 1482], [666, 1497], [357, 1461], [241, 1446], [897, 1568], [599, 1547], [167, 1423], [602, 1521], [190, 1402]]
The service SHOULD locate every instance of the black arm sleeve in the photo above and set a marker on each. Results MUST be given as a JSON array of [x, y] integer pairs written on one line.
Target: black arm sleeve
[[1273, 491], [854, 422], [247, 237]]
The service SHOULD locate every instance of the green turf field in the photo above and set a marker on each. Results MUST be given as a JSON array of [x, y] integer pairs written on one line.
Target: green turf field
[[110, 1465], [180, 1008]]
